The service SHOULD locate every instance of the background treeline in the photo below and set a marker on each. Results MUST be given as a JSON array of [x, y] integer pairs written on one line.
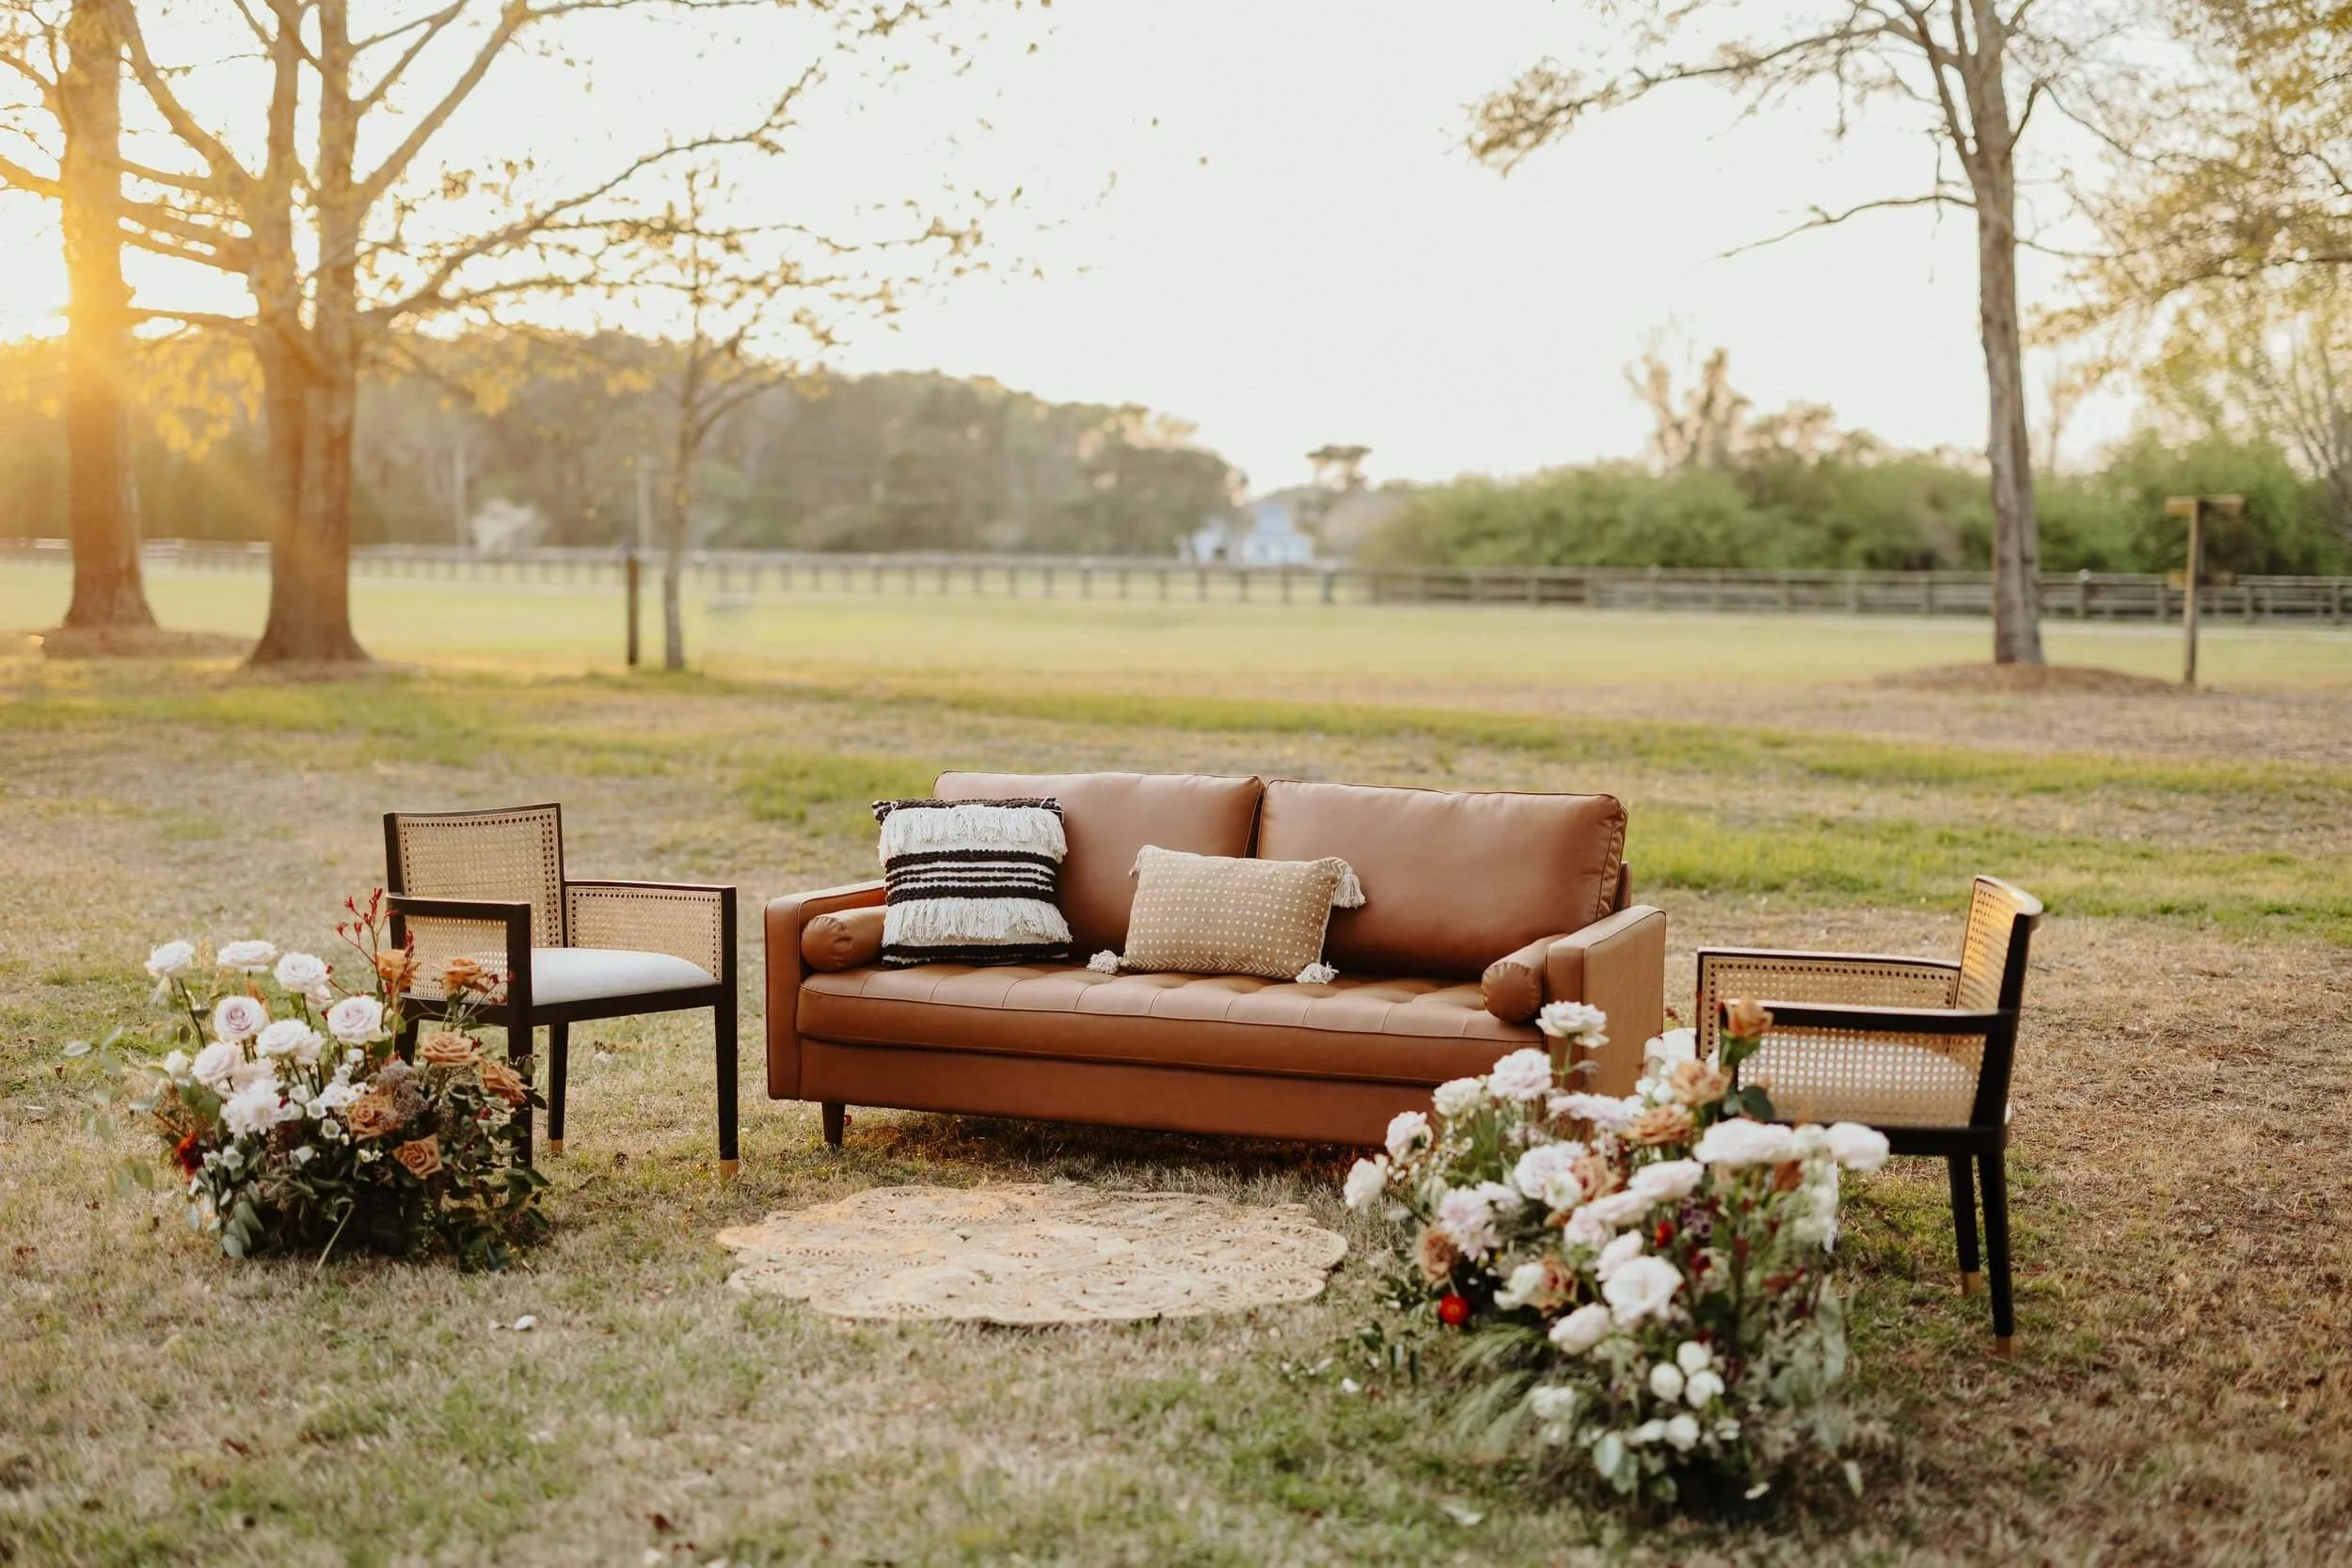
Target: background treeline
[[1722, 487], [550, 435]]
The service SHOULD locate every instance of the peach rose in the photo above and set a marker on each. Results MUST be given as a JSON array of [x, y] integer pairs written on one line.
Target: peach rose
[[502, 1080], [448, 1048], [1438, 1255], [1696, 1084], [1746, 1020], [397, 967], [373, 1115], [419, 1157], [462, 974], [1661, 1124]]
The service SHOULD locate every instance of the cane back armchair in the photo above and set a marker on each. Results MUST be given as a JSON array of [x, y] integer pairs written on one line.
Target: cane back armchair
[[1918, 1047], [489, 885]]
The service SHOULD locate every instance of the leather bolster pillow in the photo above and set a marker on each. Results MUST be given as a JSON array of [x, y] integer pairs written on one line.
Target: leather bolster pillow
[[842, 940], [1512, 986]]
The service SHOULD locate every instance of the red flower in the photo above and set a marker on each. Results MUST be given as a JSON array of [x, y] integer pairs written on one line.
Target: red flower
[[1453, 1310], [1665, 1232], [190, 1159]]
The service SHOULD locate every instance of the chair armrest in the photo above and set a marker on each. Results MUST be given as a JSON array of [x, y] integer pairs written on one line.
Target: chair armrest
[[491, 930], [1856, 979], [786, 970], [686, 920], [1881, 1020], [1617, 964]]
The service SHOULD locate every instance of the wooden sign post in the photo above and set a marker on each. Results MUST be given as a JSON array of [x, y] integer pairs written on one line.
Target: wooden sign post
[[2194, 508]]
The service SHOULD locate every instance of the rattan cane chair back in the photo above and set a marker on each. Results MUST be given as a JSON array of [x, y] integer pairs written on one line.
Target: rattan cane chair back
[[512, 855], [1986, 981]]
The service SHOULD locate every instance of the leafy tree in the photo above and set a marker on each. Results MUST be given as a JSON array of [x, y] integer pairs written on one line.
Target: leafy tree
[[71, 65], [338, 249], [1972, 73]]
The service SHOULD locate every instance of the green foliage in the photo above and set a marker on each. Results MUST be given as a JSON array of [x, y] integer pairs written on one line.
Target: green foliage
[[1871, 512], [559, 425]]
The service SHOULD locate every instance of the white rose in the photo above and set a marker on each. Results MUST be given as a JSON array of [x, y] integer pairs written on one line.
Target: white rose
[[301, 973], [287, 1036], [1856, 1146], [1616, 1254], [1692, 1357], [1586, 1228], [1546, 1173], [247, 1072], [1641, 1288], [1700, 1387], [213, 1064], [1459, 1097], [1566, 1021], [1668, 1181], [1617, 1209], [1521, 1288], [1674, 1045], [356, 1019], [1682, 1433], [176, 1066], [255, 1108], [336, 1095], [1582, 1329], [1523, 1076], [1665, 1380], [239, 1018], [1467, 1215], [1407, 1131], [1554, 1403], [1740, 1142], [1366, 1180], [1810, 1140], [172, 959], [1610, 1115], [250, 958]]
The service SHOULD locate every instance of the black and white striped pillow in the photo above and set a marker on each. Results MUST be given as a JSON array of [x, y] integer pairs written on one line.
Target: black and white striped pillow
[[972, 881]]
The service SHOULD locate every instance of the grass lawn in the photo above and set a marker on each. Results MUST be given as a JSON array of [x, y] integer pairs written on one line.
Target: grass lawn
[[2183, 1392]]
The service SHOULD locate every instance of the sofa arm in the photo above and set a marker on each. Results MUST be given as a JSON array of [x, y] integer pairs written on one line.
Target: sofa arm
[[786, 970], [1619, 966]]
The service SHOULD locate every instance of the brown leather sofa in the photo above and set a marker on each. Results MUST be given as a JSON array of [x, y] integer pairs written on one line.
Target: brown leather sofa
[[1479, 908]]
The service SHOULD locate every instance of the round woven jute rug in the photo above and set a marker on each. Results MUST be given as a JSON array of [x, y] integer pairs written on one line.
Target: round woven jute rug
[[1026, 1254]]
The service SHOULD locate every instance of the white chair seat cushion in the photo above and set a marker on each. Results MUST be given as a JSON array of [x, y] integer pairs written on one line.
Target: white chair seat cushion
[[1882, 1082], [594, 974]]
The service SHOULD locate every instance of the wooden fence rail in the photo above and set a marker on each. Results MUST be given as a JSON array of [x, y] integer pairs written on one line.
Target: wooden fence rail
[[728, 575]]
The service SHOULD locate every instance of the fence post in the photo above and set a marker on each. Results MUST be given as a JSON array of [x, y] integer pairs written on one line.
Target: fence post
[[632, 570], [1327, 590]]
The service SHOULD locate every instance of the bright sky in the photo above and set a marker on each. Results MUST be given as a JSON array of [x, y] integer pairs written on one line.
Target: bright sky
[[1257, 216]]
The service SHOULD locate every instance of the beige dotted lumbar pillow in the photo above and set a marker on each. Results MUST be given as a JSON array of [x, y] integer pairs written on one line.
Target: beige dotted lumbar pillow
[[1214, 914]]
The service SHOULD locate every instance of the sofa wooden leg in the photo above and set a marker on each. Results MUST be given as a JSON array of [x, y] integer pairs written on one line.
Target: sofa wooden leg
[[836, 1119]]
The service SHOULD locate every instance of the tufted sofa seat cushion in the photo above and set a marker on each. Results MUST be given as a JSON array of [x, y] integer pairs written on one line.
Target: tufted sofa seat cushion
[[1395, 1031]]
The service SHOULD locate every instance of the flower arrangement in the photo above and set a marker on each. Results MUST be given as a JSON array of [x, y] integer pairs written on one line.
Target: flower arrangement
[[283, 1104], [1645, 1281]]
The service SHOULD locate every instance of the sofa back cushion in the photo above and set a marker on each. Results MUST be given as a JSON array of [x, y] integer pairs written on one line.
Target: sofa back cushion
[[1452, 881], [1108, 818]]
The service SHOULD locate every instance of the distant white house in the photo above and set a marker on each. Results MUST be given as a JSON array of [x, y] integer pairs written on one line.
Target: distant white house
[[1266, 532]]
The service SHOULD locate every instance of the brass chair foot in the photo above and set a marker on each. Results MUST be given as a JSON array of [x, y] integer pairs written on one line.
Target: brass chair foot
[[2005, 1346], [1970, 1282], [555, 1146], [727, 1169]]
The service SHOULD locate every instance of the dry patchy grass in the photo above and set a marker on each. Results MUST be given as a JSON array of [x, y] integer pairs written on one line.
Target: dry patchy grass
[[2184, 1395]]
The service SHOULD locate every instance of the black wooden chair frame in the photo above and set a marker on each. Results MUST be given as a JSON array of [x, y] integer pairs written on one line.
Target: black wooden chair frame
[[516, 1010]]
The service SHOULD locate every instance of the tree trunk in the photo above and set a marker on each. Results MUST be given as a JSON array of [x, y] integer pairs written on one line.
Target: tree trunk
[[2016, 527], [310, 585], [680, 508], [102, 496]]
